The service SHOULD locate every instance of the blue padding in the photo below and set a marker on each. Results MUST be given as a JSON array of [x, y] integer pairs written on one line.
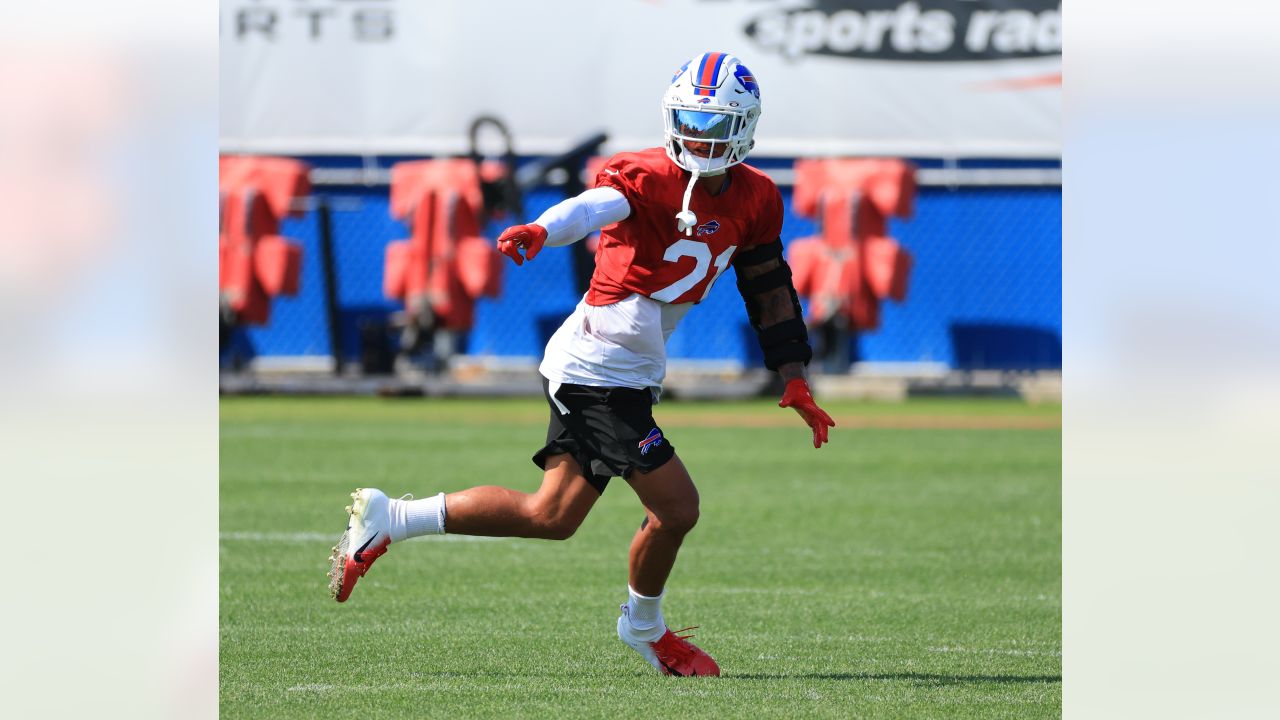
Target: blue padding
[[985, 291]]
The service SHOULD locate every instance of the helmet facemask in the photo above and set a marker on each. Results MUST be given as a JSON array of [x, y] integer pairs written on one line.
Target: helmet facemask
[[721, 136]]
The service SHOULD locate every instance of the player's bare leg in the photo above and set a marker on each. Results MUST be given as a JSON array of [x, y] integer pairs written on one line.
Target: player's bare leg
[[671, 510], [554, 512]]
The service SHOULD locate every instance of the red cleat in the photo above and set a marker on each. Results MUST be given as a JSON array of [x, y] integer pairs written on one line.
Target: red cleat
[[681, 657], [671, 654]]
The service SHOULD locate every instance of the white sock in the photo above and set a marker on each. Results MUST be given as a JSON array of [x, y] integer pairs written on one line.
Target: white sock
[[644, 613], [411, 518]]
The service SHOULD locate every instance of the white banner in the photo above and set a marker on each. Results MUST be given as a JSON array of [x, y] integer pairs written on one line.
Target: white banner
[[877, 77]]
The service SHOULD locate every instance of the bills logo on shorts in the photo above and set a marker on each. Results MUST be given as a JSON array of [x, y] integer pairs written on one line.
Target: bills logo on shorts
[[652, 440], [709, 228]]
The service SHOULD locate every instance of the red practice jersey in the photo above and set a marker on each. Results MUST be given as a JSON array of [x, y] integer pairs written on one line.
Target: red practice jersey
[[647, 254]]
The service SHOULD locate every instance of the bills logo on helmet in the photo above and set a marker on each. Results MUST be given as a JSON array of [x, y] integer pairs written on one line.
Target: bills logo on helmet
[[747, 80], [651, 441], [709, 228], [680, 71]]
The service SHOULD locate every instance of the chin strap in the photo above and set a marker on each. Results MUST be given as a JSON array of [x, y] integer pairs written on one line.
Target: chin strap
[[685, 219]]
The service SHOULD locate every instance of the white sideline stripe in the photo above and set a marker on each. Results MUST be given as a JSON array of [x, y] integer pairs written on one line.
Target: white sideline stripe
[[307, 537], [995, 651], [312, 687], [453, 678], [749, 591]]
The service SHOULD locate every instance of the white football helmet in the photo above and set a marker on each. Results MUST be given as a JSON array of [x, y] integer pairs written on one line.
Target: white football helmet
[[713, 99]]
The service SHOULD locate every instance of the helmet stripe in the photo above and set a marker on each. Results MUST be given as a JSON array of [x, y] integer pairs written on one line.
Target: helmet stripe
[[697, 77], [715, 72], [708, 73], [702, 69]]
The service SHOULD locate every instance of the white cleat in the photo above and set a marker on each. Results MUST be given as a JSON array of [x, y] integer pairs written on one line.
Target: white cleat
[[365, 540], [644, 647]]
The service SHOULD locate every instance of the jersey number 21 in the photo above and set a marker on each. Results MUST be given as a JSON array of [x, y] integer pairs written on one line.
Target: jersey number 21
[[700, 252]]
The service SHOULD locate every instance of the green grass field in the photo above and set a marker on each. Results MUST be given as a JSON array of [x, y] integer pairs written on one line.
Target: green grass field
[[909, 569]]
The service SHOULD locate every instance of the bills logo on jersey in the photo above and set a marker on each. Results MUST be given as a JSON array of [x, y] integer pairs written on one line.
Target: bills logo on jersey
[[747, 80], [709, 228], [651, 441]]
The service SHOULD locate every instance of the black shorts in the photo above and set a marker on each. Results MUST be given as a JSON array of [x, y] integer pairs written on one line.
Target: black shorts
[[608, 430]]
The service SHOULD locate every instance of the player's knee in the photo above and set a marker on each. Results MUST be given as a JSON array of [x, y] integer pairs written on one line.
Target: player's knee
[[687, 518], [679, 521], [553, 522], [560, 528]]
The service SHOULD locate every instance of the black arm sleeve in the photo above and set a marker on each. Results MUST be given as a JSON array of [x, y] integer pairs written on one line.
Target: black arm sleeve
[[764, 281]]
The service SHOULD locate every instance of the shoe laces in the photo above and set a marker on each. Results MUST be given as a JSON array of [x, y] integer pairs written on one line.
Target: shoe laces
[[674, 648]]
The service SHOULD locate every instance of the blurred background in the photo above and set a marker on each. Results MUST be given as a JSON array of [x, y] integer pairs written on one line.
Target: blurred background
[[373, 150], [106, 292]]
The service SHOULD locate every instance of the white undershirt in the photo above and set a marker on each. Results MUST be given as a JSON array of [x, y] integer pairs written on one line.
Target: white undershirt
[[570, 221], [623, 344]]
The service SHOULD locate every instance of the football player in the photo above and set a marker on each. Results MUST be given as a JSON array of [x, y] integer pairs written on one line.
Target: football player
[[672, 220]]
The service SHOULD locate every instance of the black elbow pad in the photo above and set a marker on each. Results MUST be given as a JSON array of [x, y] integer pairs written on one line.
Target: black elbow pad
[[785, 341]]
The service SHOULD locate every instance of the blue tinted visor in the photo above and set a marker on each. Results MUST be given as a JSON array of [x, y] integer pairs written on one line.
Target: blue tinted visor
[[700, 125]]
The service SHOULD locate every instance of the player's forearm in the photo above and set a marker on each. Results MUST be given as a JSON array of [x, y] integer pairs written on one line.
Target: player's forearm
[[791, 371], [570, 221], [764, 280], [776, 306]]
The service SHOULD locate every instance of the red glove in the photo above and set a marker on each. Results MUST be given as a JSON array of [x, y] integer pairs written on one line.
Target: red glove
[[798, 397], [529, 237]]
